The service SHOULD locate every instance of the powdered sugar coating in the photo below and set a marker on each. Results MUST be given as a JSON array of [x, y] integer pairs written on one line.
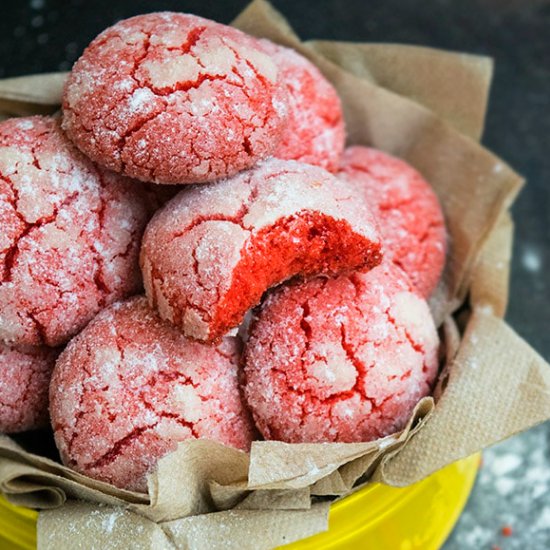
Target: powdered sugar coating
[[314, 131], [174, 98], [411, 220], [129, 387], [70, 234], [25, 373], [343, 359], [211, 252]]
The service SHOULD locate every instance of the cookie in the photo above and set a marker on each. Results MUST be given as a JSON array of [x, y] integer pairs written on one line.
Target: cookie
[[341, 359], [25, 373], [70, 234], [410, 216], [212, 251], [129, 387], [314, 130], [174, 98]]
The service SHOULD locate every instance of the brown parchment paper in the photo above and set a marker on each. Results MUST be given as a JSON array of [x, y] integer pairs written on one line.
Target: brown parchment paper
[[28, 95], [427, 107], [390, 66]]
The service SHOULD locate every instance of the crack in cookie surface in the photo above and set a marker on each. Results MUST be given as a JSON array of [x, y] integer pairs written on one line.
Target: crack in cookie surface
[[174, 98], [211, 253], [341, 359], [130, 387], [71, 235]]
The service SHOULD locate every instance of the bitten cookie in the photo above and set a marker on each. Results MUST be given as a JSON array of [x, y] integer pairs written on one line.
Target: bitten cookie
[[342, 359], [314, 130], [25, 373], [174, 98], [210, 253], [129, 387], [411, 221], [70, 234]]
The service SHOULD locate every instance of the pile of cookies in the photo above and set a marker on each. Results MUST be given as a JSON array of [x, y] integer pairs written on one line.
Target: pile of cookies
[[285, 277]]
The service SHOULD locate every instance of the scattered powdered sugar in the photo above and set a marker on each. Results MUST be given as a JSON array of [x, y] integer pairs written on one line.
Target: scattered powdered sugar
[[108, 523], [531, 259], [477, 537], [505, 485], [543, 520], [506, 463], [140, 98], [511, 490]]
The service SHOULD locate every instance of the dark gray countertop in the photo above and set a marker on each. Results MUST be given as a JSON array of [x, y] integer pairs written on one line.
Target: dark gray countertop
[[513, 487]]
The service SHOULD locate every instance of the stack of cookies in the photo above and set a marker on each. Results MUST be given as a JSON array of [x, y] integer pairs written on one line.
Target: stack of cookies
[[191, 252]]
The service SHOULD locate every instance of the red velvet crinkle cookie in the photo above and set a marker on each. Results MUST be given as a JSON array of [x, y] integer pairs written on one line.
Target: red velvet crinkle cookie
[[129, 387], [411, 221], [25, 373], [70, 234], [342, 359], [211, 252], [314, 131], [174, 98]]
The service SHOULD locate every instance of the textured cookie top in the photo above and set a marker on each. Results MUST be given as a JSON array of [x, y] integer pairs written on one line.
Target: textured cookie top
[[25, 373], [211, 252], [343, 359], [410, 216], [70, 234], [130, 386], [174, 98], [314, 130]]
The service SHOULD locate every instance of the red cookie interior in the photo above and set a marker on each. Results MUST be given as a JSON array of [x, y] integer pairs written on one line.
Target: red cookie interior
[[211, 253]]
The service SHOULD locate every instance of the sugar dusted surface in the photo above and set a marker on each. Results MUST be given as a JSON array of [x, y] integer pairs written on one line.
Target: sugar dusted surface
[[314, 131], [25, 373], [211, 252], [129, 387], [411, 220], [343, 359], [174, 98], [70, 234]]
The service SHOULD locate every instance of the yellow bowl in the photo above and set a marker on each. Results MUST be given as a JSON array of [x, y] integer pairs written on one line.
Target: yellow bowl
[[378, 517], [420, 516]]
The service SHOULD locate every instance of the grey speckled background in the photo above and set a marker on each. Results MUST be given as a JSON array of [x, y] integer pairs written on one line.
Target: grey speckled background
[[513, 487]]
